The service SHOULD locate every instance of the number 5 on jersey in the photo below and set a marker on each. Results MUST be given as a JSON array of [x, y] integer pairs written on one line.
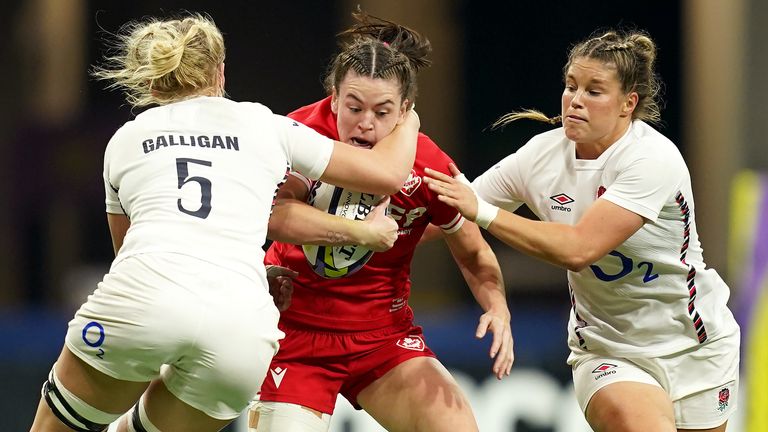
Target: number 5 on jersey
[[182, 170]]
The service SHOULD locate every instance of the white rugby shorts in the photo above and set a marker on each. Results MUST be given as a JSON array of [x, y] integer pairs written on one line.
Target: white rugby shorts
[[208, 332], [702, 382]]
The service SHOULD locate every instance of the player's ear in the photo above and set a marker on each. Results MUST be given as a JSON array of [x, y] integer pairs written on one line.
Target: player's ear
[[334, 101], [629, 104], [403, 110]]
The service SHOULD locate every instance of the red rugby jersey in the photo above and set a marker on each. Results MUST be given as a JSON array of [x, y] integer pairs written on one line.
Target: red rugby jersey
[[377, 294]]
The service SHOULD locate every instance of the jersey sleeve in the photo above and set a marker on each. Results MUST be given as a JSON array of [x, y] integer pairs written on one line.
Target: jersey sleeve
[[446, 217], [645, 184], [430, 155], [308, 151], [502, 184]]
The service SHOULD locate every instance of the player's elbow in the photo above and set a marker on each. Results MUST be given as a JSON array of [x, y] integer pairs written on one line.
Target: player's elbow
[[278, 228], [275, 231], [579, 260], [577, 250], [575, 265]]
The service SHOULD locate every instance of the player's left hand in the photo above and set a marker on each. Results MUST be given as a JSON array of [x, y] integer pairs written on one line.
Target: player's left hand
[[281, 285], [454, 191], [381, 229], [502, 347]]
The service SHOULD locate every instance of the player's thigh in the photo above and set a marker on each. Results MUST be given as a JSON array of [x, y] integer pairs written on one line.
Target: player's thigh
[[140, 317], [616, 394], [96, 388], [309, 369], [627, 406], [100, 398], [418, 395], [236, 337]]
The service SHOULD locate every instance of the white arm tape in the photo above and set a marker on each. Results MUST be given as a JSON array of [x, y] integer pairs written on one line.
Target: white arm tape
[[486, 212]]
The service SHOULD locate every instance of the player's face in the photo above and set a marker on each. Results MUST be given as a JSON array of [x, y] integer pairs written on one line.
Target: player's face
[[367, 109], [594, 108]]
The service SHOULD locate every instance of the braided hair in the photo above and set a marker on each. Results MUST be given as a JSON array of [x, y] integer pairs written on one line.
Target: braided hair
[[377, 48]]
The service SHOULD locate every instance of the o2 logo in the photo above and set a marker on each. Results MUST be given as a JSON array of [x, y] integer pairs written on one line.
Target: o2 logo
[[627, 265], [95, 338]]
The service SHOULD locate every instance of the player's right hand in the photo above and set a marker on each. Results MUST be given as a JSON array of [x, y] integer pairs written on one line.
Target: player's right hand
[[281, 285], [454, 191], [381, 229]]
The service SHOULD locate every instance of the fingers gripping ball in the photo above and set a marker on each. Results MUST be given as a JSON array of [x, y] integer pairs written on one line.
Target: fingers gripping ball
[[338, 261]]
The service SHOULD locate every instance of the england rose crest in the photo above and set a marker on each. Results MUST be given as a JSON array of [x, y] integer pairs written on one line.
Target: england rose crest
[[722, 399]]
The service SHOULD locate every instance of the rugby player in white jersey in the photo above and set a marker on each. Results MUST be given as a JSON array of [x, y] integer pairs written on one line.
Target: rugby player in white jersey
[[180, 330], [653, 344]]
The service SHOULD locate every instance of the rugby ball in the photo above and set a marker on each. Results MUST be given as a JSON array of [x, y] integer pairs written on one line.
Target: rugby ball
[[334, 262]]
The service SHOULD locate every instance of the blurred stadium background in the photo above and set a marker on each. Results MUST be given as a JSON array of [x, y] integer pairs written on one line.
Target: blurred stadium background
[[490, 57]]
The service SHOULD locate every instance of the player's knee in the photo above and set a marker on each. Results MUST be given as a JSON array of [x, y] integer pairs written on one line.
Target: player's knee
[[281, 416], [73, 411]]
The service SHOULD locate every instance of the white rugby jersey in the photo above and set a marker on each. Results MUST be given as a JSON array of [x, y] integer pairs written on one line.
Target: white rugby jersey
[[198, 177], [652, 295]]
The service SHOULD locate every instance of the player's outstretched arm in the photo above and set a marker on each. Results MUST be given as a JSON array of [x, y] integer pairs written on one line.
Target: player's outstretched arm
[[380, 170], [602, 228], [480, 268]]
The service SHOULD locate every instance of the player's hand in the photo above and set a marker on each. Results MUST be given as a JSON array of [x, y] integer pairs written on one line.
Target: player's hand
[[281, 285], [381, 230], [502, 347], [454, 191]]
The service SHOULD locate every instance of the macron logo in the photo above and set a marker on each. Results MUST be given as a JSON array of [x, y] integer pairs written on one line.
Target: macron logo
[[278, 374]]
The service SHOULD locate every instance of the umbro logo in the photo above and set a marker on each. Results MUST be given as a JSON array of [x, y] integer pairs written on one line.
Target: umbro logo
[[603, 370], [278, 374], [562, 200], [603, 367]]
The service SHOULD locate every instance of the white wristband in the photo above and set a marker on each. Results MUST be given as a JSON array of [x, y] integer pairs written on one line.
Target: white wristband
[[486, 213]]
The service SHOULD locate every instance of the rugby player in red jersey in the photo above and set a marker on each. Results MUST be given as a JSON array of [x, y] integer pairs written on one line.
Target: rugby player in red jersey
[[355, 334]]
